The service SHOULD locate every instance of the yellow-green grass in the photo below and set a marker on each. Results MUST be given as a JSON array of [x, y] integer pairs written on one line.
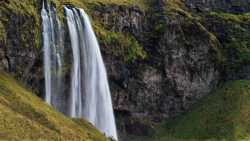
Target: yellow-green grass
[[121, 45], [143, 4], [23, 116], [86, 4], [235, 18], [173, 8]]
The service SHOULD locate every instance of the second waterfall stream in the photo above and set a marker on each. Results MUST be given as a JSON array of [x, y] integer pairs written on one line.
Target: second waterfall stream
[[89, 94]]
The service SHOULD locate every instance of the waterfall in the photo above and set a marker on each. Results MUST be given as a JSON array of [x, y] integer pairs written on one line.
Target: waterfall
[[90, 93], [46, 57], [76, 89], [53, 49], [89, 96]]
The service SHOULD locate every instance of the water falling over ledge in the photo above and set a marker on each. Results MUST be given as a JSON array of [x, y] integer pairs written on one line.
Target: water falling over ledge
[[53, 49], [89, 95], [96, 106]]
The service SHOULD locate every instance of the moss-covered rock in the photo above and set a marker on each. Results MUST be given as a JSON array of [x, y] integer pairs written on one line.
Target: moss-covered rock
[[24, 116], [191, 57], [2, 33], [13, 9], [122, 46], [143, 4], [233, 32], [233, 18]]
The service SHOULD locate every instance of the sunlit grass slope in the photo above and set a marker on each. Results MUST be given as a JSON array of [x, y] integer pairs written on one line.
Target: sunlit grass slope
[[24, 116], [222, 116]]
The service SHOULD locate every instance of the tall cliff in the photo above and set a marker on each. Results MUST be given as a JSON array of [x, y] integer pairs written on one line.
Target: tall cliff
[[161, 56]]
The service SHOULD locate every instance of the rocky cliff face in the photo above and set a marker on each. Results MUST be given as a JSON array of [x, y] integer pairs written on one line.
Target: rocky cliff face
[[160, 60], [235, 6], [180, 68], [121, 18], [20, 51], [233, 33]]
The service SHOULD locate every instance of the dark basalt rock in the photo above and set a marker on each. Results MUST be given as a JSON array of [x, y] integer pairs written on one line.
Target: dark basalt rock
[[189, 62], [19, 53], [121, 18], [4, 63], [181, 67], [235, 6]]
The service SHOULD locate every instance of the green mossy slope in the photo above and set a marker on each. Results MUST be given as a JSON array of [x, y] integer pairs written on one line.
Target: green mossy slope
[[222, 116], [23, 116]]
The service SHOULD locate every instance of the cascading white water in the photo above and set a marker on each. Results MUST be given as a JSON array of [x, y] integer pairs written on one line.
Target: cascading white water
[[76, 91], [89, 78], [47, 56], [53, 54], [96, 84], [89, 94]]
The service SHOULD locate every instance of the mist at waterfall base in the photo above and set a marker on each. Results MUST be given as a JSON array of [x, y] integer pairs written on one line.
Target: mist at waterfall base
[[89, 96]]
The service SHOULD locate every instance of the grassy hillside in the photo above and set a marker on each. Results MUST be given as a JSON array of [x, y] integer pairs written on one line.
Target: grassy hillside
[[23, 116], [223, 116]]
